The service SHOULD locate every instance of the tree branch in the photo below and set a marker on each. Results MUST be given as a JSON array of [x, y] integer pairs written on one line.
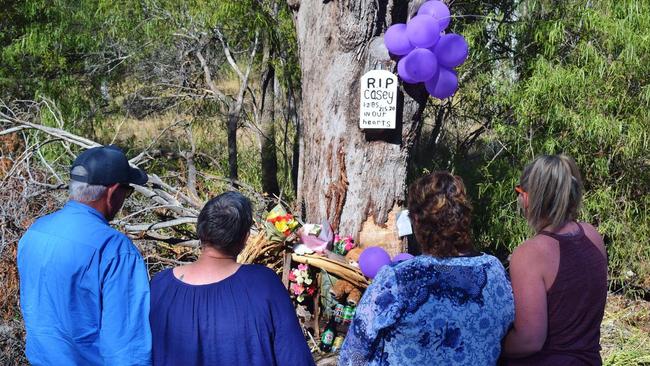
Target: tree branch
[[158, 225], [208, 76]]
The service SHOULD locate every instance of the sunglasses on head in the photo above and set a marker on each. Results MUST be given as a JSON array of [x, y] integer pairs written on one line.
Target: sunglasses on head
[[519, 189]]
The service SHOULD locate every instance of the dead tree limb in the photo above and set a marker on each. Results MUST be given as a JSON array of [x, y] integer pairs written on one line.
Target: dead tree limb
[[183, 208]]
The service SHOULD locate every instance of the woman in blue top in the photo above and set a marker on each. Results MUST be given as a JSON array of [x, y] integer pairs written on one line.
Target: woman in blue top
[[449, 306], [218, 312]]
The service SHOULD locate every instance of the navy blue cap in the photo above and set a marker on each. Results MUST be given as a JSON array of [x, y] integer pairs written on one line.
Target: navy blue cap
[[105, 166]]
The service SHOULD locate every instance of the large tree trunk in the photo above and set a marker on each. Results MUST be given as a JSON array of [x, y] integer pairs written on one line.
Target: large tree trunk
[[351, 177]]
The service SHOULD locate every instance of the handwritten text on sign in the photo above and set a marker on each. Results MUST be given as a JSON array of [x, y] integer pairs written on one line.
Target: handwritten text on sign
[[378, 99]]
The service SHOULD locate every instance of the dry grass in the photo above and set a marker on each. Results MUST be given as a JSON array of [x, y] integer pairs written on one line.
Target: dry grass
[[140, 132], [625, 332]]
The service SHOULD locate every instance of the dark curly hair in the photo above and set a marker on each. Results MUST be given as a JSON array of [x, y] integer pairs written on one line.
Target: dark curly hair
[[440, 213]]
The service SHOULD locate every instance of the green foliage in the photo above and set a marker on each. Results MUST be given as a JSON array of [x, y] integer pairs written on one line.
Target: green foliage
[[56, 49], [559, 77], [240, 22]]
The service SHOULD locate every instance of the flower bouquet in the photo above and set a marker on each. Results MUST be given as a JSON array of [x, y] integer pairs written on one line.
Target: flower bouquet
[[279, 224], [302, 285], [316, 238], [342, 245]]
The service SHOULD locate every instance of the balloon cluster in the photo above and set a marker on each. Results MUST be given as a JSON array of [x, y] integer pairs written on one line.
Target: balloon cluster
[[427, 54]]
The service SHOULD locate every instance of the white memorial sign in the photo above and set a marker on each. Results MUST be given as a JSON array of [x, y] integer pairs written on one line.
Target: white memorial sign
[[378, 99]]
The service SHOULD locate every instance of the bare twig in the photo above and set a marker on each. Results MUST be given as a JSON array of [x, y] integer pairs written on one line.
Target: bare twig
[[207, 74]]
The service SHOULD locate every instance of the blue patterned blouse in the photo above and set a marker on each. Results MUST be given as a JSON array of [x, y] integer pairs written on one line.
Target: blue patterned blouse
[[432, 311]]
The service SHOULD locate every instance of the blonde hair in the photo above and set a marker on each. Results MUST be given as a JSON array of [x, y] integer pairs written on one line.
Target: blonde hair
[[554, 190]]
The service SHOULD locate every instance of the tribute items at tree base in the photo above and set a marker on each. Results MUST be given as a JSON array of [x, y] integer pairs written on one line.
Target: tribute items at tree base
[[325, 273]]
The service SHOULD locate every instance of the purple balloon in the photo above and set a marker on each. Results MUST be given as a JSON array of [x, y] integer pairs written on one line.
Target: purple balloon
[[451, 50], [397, 41], [403, 73], [444, 86], [421, 64], [438, 10], [402, 257], [423, 31], [372, 259]]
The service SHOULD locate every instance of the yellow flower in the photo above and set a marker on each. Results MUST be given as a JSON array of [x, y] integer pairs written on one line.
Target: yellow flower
[[281, 226]]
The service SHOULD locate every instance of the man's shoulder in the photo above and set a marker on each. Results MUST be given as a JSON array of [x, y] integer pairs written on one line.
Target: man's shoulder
[[117, 243], [45, 220], [64, 221]]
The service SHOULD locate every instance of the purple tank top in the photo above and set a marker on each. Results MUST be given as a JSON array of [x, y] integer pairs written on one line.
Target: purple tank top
[[576, 305]]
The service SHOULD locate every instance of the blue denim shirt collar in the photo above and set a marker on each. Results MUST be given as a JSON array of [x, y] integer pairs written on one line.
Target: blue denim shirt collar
[[76, 206]]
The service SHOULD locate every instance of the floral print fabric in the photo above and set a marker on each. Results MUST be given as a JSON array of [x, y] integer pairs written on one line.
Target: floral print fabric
[[432, 311]]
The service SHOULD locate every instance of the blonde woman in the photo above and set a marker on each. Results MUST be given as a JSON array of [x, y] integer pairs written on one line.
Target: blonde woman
[[559, 276]]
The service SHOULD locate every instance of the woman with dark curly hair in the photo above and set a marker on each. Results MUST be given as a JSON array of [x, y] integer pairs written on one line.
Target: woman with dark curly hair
[[450, 306]]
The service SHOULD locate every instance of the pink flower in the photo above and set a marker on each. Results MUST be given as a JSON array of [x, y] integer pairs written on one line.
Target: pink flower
[[297, 289], [292, 276], [303, 267]]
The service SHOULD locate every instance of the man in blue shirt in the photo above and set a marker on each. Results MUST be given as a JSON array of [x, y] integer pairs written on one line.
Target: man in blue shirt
[[84, 289]]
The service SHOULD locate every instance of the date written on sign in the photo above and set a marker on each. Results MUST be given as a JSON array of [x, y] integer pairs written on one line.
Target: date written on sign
[[378, 107]]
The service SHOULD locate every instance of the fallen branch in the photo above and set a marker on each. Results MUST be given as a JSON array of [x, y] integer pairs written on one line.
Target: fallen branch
[[184, 208], [160, 225], [63, 135], [172, 240]]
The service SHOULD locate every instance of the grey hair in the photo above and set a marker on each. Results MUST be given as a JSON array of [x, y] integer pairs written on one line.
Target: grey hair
[[554, 188], [84, 192]]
